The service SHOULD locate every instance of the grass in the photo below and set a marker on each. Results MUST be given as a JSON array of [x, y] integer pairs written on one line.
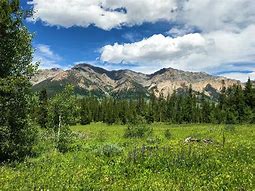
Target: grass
[[102, 159]]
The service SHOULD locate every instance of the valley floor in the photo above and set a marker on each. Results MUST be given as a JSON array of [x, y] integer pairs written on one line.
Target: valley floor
[[102, 159]]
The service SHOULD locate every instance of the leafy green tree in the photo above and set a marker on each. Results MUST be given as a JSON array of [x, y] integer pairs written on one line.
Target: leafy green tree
[[17, 135], [62, 112]]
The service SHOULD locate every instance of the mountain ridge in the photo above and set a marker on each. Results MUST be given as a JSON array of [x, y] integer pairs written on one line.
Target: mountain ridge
[[89, 79]]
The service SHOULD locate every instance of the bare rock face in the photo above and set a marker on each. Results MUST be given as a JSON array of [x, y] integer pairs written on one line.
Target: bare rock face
[[45, 74], [167, 80], [87, 78]]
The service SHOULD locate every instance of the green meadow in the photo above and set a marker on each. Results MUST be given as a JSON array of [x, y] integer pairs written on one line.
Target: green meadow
[[102, 158]]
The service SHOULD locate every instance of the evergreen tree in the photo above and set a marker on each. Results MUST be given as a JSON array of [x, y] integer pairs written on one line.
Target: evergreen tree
[[221, 115], [43, 109], [249, 94], [17, 136], [205, 109], [238, 102], [85, 114]]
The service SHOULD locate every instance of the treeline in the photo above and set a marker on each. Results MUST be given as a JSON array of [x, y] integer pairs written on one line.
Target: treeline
[[235, 104]]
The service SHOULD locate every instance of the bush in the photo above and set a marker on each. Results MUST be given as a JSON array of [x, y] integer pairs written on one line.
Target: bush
[[109, 150], [137, 120], [65, 141], [46, 139], [168, 134], [137, 131], [16, 146]]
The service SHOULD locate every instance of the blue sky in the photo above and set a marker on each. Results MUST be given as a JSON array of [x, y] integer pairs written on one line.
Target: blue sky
[[211, 36]]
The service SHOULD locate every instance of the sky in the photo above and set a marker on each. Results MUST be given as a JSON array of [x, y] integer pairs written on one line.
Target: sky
[[213, 36]]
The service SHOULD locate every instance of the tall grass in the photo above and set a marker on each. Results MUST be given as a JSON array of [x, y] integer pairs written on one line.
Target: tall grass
[[106, 160]]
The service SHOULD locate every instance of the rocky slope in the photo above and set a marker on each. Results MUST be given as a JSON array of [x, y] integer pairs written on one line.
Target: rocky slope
[[88, 79]]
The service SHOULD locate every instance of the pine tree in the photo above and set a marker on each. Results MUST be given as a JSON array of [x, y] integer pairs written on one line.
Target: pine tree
[[85, 115], [221, 115], [43, 109], [249, 94], [205, 109]]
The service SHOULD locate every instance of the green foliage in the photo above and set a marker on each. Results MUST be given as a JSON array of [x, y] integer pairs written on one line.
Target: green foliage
[[43, 109], [153, 140], [168, 134], [62, 109], [234, 106], [45, 143], [137, 131], [65, 140], [62, 113], [102, 136], [86, 110], [16, 68], [109, 150], [135, 164]]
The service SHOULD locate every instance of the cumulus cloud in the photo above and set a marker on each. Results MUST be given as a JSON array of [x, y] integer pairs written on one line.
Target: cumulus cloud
[[210, 52], [207, 15], [153, 49], [46, 57], [105, 14]]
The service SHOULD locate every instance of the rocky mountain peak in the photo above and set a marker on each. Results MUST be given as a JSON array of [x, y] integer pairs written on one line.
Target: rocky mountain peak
[[87, 78]]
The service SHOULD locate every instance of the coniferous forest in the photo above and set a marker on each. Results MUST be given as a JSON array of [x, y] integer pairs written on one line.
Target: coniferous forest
[[234, 105], [185, 141]]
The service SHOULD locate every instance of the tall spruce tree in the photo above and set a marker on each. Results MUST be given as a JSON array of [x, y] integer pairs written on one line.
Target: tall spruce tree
[[249, 94], [17, 136], [205, 109], [43, 109]]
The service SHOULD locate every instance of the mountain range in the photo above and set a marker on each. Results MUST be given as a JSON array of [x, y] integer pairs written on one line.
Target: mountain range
[[92, 80]]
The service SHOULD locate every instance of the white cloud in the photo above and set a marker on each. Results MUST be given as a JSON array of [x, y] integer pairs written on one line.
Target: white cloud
[[243, 77], [105, 14], [211, 15], [207, 15], [46, 57], [180, 31], [154, 49], [209, 52]]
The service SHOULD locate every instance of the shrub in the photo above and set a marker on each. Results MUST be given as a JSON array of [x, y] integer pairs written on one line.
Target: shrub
[[11, 148], [137, 120], [64, 143], [137, 131], [109, 150], [168, 134], [46, 139]]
